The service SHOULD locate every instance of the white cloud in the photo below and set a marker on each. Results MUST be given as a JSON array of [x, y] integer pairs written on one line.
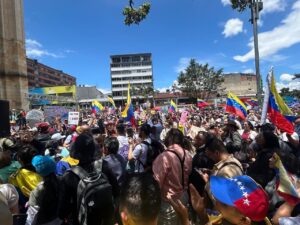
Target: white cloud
[[182, 65], [170, 88], [286, 77], [283, 36], [286, 81], [294, 85], [226, 2], [104, 91], [274, 6], [233, 27], [248, 71], [35, 49]]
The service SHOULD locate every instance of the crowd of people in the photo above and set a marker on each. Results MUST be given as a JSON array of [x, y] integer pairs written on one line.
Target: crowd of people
[[180, 168]]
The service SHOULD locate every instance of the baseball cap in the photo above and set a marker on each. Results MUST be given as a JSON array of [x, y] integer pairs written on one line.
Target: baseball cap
[[57, 137], [243, 193], [44, 165]]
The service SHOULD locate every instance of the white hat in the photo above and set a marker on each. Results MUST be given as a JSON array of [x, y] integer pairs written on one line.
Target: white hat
[[57, 137]]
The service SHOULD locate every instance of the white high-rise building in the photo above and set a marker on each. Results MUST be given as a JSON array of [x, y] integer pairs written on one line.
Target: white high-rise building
[[133, 68]]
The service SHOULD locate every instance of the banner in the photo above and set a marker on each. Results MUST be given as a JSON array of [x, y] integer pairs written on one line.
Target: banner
[[73, 118], [50, 112]]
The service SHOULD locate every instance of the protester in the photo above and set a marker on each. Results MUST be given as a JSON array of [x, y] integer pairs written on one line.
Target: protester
[[83, 149], [43, 200], [112, 160], [140, 200], [139, 153], [207, 170], [172, 169]]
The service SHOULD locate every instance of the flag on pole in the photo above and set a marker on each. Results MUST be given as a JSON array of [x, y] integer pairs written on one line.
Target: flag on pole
[[173, 106], [201, 103], [235, 106], [279, 113], [128, 113], [96, 107], [111, 101], [284, 183]]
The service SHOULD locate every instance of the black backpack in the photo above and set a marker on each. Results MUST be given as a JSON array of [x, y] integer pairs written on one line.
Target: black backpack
[[94, 196], [153, 150]]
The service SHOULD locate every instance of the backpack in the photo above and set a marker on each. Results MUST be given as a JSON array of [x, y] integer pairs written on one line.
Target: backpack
[[153, 150], [94, 196]]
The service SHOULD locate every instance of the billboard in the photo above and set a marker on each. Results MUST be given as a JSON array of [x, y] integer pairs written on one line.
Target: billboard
[[52, 95]]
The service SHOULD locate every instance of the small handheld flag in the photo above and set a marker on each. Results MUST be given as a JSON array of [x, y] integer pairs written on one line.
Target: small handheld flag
[[284, 185], [236, 106], [279, 113], [173, 106], [201, 103], [128, 113], [111, 100], [96, 107]]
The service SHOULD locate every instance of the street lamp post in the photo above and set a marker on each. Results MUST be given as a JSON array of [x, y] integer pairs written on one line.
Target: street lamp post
[[256, 6]]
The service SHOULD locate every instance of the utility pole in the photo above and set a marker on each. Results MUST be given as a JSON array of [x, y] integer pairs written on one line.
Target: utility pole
[[256, 6]]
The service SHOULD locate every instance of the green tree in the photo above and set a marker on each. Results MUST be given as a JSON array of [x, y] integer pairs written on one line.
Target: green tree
[[292, 93], [146, 92], [297, 76], [135, 15], [285, 92], [200, 81], [240, 5]]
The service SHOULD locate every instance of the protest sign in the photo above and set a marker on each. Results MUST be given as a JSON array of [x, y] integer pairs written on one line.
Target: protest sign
[[73, 118]]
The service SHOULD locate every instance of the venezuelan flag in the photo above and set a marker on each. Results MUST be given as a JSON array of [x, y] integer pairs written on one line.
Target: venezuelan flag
[[253, 102], [128, 113], [236, 106], [111, 100], [96, 107], [284, 183], [173, 106], [279, 113], [201, 103]]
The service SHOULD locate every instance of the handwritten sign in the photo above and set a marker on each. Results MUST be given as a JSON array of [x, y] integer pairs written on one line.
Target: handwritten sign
[[73, 118]]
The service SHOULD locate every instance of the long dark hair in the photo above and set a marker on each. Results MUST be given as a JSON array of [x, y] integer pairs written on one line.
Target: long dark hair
[[49, 199], [174, 136], [271, 140]]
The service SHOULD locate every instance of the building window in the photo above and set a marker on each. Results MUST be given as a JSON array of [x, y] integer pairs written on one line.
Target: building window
[[136, 59], [125, 59], [116, 60]]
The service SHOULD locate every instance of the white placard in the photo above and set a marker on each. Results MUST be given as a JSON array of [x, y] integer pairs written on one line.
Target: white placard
[[73, 118]]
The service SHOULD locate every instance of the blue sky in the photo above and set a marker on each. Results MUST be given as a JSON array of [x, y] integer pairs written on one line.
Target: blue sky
[[79, 36]]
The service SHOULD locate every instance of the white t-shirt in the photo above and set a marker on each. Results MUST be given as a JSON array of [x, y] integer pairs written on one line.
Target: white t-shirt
[[140, 155]]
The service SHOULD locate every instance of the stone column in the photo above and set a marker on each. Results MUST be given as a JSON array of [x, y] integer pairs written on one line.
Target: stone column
[[13, 68]]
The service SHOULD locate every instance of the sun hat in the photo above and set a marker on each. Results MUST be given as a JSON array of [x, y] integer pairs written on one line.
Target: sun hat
[[243, 193], [44, 165]]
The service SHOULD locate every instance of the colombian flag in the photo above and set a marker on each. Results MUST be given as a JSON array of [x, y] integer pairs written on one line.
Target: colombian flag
[[173, 107], [236, 106], [111, 101], [96, 107], [279, 113], [201, 103], [128, 113], [284, 183]]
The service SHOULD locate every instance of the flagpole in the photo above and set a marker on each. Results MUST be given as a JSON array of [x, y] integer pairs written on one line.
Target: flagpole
[[266, 98], [256, 6]]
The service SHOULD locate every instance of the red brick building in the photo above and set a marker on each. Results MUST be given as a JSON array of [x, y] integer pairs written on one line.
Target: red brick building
[[40, 75]]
